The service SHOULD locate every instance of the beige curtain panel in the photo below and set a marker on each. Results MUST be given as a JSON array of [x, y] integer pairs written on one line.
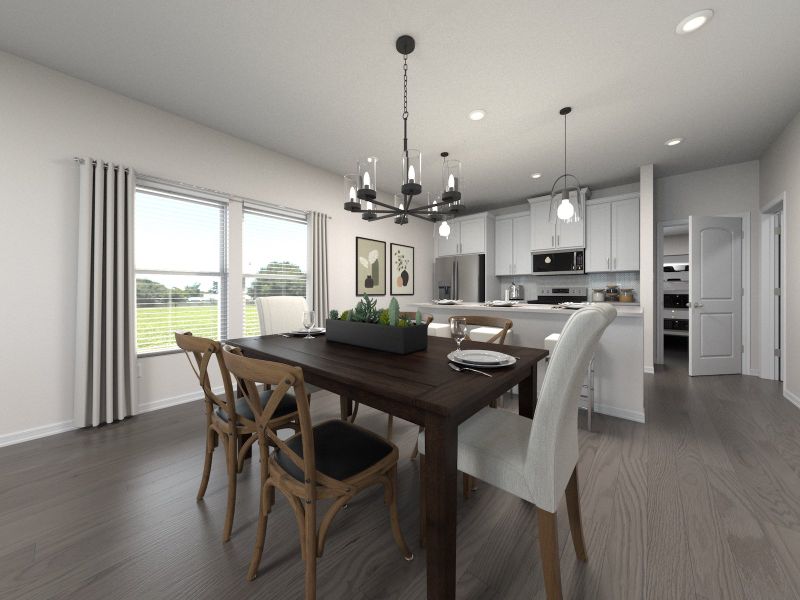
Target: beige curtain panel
[[318, 240], [105, 346]]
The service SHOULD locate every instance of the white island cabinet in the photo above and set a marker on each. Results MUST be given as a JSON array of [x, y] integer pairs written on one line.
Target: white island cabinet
[[619, 359]]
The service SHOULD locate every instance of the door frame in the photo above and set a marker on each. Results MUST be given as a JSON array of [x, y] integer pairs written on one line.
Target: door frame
[[659, 358], [768, 316]]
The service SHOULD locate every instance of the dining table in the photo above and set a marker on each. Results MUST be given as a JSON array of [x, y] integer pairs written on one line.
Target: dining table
[[422, 388]]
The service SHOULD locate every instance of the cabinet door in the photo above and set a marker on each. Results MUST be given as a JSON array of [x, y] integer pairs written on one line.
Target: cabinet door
[[521, 233], [625, 235], [473, 236], [598, 237], [569, 235], [504, 247], [448, 246], [543, 232]]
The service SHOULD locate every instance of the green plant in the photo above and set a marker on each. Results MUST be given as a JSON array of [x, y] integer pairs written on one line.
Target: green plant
[[366, 310], [333, 315], [383, 317], [345, 316], [418, 317], [394, 312]]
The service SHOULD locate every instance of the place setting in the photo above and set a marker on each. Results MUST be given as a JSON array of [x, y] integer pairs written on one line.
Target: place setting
[[474, 360]]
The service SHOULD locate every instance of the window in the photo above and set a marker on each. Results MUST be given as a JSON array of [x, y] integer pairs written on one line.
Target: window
[[274, 259], [180, 259]]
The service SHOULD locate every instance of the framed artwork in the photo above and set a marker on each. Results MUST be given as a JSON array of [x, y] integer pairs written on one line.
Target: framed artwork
[[402, 270], [370, 267]]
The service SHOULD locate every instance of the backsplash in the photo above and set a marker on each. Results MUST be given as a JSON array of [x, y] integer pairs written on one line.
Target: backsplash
[[532, 283]]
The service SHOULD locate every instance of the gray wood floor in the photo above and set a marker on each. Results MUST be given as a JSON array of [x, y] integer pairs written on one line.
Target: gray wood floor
[[701, 502]]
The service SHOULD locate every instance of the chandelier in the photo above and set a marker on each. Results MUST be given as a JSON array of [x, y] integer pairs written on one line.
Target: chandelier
[[568, 203], [360, 187]]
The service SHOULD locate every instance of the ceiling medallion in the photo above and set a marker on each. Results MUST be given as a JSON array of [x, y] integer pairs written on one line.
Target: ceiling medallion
[[360, 188]]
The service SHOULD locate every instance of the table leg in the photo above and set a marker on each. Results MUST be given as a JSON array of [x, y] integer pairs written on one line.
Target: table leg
[[527, 394], [345, 407], [441, 439]]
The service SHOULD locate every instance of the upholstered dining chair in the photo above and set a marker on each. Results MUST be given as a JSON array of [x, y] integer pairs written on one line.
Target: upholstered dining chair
[[537, 460], [334, 461], [228, 418], [279, 314]]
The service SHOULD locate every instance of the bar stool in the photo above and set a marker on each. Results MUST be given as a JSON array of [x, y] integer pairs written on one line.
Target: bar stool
[[550, 344], [439, 330]]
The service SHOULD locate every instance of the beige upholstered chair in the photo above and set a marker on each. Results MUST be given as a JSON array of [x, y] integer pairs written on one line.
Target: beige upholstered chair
[[279, 314], [537, 460], [330, 461]]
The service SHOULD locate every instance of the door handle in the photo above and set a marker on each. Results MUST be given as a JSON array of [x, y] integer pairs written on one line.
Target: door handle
[[688, 305], [698, 305]]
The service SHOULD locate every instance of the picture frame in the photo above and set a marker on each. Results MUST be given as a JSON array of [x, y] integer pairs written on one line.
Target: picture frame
[[402, 275], [370, 267]]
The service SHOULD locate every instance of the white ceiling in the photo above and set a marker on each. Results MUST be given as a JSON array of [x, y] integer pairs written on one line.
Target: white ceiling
[[321, 81]]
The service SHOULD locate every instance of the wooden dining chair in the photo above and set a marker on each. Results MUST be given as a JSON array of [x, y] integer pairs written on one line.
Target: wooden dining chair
[[331, 461], [412, 316], [491, 330], [537, 460], [228, 418]]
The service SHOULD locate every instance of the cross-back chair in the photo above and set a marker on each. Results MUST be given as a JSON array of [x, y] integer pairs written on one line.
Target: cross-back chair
[[480, 321], [334, 461]]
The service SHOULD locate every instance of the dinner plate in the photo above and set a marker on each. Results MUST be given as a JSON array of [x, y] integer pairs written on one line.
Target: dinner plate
[[314, 331], [447, 302], [500, 303], [485, 359]]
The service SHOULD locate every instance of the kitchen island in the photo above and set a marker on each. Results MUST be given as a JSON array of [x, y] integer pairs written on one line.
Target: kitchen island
[[619, 359]]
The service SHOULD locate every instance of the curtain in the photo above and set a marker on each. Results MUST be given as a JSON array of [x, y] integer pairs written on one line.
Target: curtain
[[318, 240], [105, 346]]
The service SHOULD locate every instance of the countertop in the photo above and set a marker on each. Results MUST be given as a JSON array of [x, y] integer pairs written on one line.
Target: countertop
[[623, 309]]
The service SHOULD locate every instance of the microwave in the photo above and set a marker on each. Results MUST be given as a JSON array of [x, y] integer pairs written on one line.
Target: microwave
[[569, 262]]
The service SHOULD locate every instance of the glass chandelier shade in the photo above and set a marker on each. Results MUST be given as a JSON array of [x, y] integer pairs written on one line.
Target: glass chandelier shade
[[367, 178], [567, 202], [351, 201]]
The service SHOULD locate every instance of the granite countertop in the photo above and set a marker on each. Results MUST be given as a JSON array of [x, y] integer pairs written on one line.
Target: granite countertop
[[624, 309]]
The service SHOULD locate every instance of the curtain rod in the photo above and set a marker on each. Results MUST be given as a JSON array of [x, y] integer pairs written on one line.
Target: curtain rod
[[210, 191]]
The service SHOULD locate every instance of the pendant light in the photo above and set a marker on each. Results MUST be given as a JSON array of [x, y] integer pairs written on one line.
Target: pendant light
[[567, 203]]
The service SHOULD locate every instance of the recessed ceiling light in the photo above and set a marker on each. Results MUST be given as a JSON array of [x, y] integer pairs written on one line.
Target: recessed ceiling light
[[536, 175], [673, 141], [477, 114], [694, 21]]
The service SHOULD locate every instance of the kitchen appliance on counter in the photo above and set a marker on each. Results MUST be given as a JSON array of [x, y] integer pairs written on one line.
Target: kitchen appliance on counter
[[558, 295], [461, 277], [515, 292], [558, 263]]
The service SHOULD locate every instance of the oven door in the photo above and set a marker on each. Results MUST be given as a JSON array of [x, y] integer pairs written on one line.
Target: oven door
[[558, 263]]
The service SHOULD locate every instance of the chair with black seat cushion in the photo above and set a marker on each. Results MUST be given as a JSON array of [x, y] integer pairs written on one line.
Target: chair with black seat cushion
[[331, 461], [229, 418]]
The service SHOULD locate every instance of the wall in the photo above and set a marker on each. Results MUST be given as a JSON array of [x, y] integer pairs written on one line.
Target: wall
[[676, 244], [47, 118], [727, 190], [780, 172], [647, 262]]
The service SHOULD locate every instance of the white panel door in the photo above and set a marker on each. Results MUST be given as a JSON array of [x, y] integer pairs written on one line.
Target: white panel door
[[523, 265], [543, 232], [598, 237], [570, 235], [715, 295], [473, 236], [448, 246], [625, 235], [504, 247]]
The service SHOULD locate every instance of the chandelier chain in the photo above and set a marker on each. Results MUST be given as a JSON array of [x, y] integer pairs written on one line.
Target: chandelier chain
[[405, 87]]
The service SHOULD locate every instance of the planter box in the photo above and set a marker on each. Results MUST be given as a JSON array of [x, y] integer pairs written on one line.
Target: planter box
[[399, 340]]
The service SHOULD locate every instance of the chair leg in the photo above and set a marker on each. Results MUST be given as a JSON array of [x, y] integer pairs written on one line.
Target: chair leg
[[574, 512], [415, 451], [422, 527], [230, 455], [310, 550], [264, 508], [548, 548], [391, 488], [590, 396], [389, 427], [211, 443]]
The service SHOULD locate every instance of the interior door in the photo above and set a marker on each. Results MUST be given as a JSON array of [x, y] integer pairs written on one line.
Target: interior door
[[715, 295], [598, 237]]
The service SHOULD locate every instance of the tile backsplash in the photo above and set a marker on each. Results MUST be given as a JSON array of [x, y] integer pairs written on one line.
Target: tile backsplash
[[532, 283]]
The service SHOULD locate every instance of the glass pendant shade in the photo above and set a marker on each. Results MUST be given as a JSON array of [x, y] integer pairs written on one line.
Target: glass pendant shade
[[444, 229], [451, 180], [434, 214], [367, 178], [351, 201], [568, 202], [412, 172], [399, 204]]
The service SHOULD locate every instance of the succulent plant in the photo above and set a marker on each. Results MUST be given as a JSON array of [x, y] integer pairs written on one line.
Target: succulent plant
[[394, 312], [334, 315], [366, 311], [383, 317], [418, 317]]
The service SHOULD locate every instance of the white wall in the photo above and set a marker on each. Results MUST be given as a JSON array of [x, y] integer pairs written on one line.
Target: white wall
[[647, 263], [727, 190], [780, 172], [677, 244], [47, 119]]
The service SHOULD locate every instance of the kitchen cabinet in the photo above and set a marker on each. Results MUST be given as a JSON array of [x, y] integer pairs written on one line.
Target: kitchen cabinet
[[467, 236], [612, 234], [512, 252], [546, 235]]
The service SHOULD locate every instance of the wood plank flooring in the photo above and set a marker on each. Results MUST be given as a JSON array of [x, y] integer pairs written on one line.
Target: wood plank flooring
[[701, 502]]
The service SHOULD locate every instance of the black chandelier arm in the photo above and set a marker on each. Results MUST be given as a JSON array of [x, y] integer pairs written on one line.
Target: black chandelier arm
[[383, 204], [428, 207]]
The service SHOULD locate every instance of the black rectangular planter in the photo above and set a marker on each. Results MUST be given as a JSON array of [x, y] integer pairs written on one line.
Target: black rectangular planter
[[399, 340]]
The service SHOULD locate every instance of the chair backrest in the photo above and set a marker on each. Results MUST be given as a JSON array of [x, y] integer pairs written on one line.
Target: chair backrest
[[483, 321], [204, 350], [280, 378], [553, 444], [411, 316], [280, 314]]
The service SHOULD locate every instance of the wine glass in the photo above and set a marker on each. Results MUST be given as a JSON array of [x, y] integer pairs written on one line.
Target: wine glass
[[308, 323], [458, 329]]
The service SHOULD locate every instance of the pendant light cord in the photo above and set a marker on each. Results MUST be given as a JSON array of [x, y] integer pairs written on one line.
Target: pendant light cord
[[405, 104]]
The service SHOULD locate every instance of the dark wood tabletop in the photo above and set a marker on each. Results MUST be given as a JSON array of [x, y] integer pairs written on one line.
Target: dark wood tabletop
[[421, 388]]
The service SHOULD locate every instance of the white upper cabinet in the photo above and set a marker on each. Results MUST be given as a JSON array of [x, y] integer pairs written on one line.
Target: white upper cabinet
[[546, 235], [467, 236], [612, 234], [512, 254]]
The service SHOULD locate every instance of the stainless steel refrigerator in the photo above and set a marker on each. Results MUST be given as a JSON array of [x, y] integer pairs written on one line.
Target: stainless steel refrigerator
[[460, 278]]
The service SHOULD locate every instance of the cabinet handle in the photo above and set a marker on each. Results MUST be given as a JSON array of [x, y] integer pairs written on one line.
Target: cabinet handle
[[608, 263], [553, 241], [615, 262], [558, 240]]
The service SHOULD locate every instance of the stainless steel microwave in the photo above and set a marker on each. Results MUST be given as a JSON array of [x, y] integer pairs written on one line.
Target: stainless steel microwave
[[569, 262]]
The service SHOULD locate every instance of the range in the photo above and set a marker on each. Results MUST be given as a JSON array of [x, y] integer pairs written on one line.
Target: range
[[557, 295]]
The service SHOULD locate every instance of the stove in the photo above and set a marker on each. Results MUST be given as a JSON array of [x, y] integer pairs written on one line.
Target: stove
[[557, 295]]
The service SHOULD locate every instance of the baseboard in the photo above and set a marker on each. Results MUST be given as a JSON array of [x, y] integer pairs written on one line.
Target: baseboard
[[174, 400], [34, 433], [793, 398], [755, 372], [650, 369], [622, 413]]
